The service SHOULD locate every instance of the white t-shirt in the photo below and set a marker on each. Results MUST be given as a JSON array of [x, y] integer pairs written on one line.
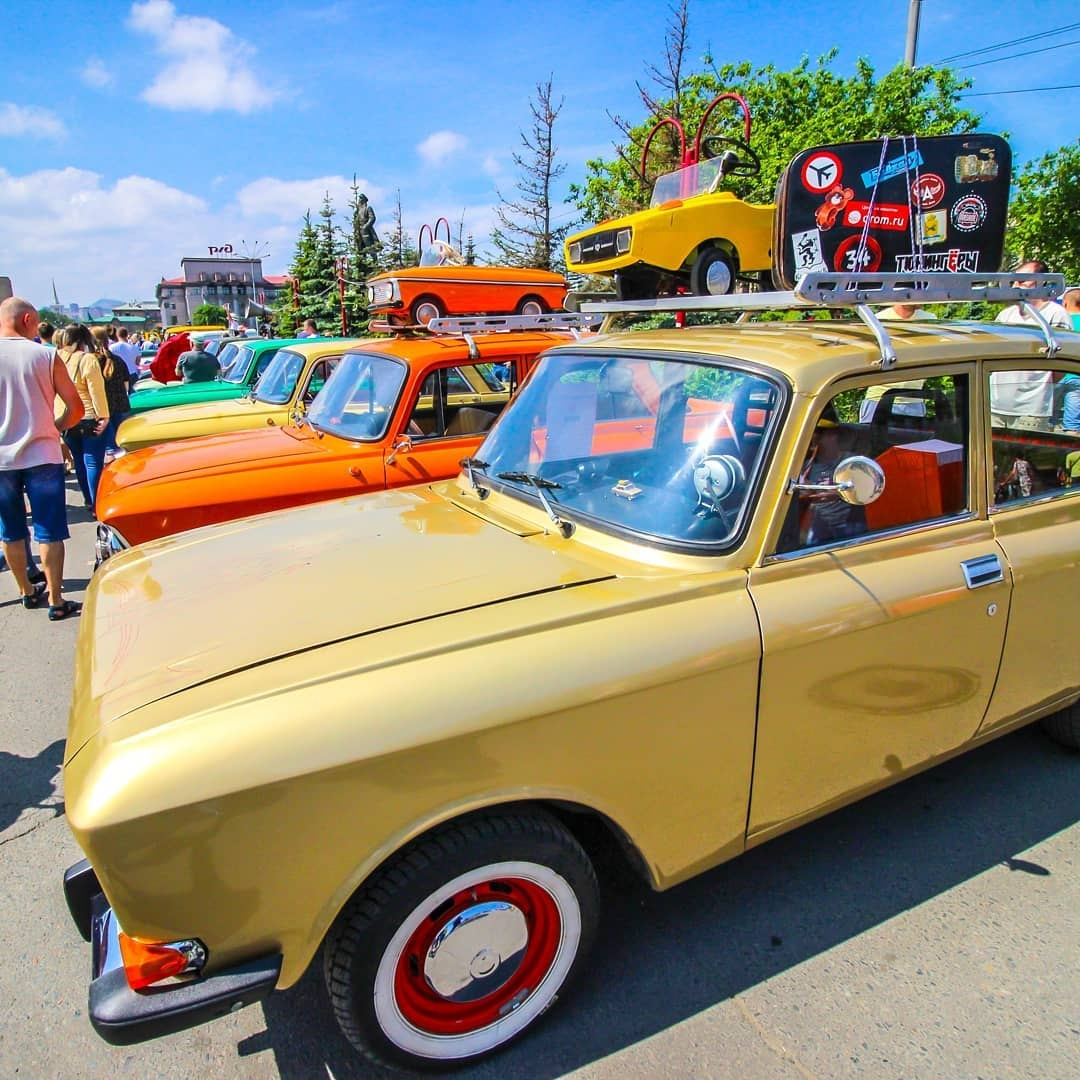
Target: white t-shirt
[[128, 353], [1022, 393], [1053, 313]]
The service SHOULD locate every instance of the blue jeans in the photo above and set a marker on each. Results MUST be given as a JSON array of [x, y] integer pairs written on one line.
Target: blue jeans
[[88, 452]]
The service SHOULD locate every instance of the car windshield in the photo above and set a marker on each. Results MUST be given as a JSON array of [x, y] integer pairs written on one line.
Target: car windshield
[[684, 183], [235, 361], [668, 450], [277, 383], [358, 399]]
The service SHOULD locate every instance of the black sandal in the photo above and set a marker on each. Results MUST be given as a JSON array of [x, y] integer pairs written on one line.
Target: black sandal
[[36, 577], [35, 598], [62, 611]]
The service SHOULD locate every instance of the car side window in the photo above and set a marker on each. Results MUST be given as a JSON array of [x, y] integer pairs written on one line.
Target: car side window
[[916, 430], [1034, 432], [447, 404], [319, 374]]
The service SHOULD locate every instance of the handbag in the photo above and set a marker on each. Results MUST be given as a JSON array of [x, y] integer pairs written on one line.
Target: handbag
[[84, 428]]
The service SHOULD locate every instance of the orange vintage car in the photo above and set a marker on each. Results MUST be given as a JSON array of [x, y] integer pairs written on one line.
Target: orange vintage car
[[394, 412], [443, 285]]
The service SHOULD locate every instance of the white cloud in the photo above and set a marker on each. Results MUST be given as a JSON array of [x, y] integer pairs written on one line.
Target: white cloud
[[288, 200], [205, 65], [30, 120], [95, 73], [491, 165], [436, 148]]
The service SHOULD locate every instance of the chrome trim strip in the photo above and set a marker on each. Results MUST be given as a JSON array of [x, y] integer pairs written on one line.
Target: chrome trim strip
[[856, 541]]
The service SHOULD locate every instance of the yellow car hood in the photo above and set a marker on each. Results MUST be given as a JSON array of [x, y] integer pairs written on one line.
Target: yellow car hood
[[138, 426], [187, 609]]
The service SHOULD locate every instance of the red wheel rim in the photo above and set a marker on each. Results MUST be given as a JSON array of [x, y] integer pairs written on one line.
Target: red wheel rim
[[429, 1011]]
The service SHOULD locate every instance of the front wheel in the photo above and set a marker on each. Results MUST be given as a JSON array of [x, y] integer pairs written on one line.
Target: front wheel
[[425, 309], [712, 274], [464, 939]]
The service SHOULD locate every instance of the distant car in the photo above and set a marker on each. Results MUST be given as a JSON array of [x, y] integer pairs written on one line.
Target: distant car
[[394, 412], [694, 237], [287, 386], [442, 285], [680, 601], [243, 361]]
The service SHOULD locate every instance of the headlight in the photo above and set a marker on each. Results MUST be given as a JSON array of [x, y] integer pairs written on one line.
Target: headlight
[[575, 252], [382, 292], [107, 543], [622, 240]]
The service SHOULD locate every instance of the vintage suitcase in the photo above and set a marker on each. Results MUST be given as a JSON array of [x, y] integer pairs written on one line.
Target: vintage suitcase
[[897, 205]]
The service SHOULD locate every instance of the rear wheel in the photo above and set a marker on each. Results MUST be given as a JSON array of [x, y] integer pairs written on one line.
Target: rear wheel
[[637, 284], [463, 940], [1064, 727], [713, 273], [531, 305]]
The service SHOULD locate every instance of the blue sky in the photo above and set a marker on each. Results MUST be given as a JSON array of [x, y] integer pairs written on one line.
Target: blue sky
[[132, 134]]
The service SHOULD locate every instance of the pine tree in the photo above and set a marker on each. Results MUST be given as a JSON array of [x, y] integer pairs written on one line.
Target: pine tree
[[361, 263], [287, 314], [397, 250], [526, 236]]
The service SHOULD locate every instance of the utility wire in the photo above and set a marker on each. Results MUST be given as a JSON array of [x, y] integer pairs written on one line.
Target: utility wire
[[1029, 90], [1008, 44], [1016, 56]]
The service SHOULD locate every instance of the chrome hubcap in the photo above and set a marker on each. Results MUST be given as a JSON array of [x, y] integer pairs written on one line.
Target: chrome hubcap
[[477, 951], [718, 279]]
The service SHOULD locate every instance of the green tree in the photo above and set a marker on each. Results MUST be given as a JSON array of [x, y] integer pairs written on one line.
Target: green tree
[[361, 261], [209, 315], [287, 315], [792, 110], [526, 235], [57, 318], [397, 249], [1044, 213]]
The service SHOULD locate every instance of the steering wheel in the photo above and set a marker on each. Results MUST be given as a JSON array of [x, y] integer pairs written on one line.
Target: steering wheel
[[716, 478], [749, 164]]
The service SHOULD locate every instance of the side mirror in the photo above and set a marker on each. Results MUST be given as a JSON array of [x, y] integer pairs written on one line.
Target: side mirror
[[403, 445], [857, 480]]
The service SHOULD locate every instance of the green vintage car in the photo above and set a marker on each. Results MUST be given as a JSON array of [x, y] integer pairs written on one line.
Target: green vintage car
[[242, 362]]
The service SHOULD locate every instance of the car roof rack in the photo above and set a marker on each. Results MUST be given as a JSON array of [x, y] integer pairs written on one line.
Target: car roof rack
[[861, 292], [464, 326]]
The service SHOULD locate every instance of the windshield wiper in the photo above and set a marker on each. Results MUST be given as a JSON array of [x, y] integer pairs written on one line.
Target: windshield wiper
[[540, 484], [470, 463]]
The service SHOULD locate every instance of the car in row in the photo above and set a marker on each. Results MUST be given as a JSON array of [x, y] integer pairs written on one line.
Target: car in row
[[694, 588]]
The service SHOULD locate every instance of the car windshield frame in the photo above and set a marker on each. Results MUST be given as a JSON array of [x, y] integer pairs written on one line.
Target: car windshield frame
[[276, 370], [606, 488], [359, 370], [685, 183]]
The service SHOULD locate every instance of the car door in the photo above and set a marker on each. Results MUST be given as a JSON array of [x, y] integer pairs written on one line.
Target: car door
[[882, 626], [450, 414], [1033, 454]]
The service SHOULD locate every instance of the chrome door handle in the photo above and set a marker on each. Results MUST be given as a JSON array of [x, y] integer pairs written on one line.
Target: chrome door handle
[[984, 570]]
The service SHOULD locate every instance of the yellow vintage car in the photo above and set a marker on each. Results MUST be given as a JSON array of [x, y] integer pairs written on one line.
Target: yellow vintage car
[[286, 387], [688, 594]]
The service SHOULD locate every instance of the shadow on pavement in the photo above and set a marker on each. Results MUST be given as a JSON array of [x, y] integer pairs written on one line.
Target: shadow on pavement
[[27, 783], [661, 958]]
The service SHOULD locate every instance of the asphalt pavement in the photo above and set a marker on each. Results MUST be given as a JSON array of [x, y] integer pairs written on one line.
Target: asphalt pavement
[[930, 931]]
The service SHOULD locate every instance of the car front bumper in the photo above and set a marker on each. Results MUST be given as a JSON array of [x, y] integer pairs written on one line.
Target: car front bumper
[[122, 1016]]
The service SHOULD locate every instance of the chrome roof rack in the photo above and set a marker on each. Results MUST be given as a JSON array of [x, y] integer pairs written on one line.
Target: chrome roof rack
[[861, 292], [489, 324]]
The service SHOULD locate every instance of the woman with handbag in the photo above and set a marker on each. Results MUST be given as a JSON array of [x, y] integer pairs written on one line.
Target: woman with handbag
[[115, 373], [86, 440]]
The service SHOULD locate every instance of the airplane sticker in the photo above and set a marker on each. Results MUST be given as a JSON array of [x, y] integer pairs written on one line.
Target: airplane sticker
[[821, 171]]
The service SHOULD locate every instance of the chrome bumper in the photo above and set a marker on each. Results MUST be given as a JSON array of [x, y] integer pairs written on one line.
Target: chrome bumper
[[107, 543], [122, 1016]]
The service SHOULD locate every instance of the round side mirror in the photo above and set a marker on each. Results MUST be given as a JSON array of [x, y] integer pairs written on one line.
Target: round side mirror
[[860, 479]]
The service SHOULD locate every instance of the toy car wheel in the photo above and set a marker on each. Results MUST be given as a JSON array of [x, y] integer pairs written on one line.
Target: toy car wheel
[[1064, 727], [531, 305], [713, 273], [637, 284], [464, 939], [425, 309]]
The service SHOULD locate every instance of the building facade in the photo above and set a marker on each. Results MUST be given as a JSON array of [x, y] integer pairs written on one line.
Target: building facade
[[233, 282]]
